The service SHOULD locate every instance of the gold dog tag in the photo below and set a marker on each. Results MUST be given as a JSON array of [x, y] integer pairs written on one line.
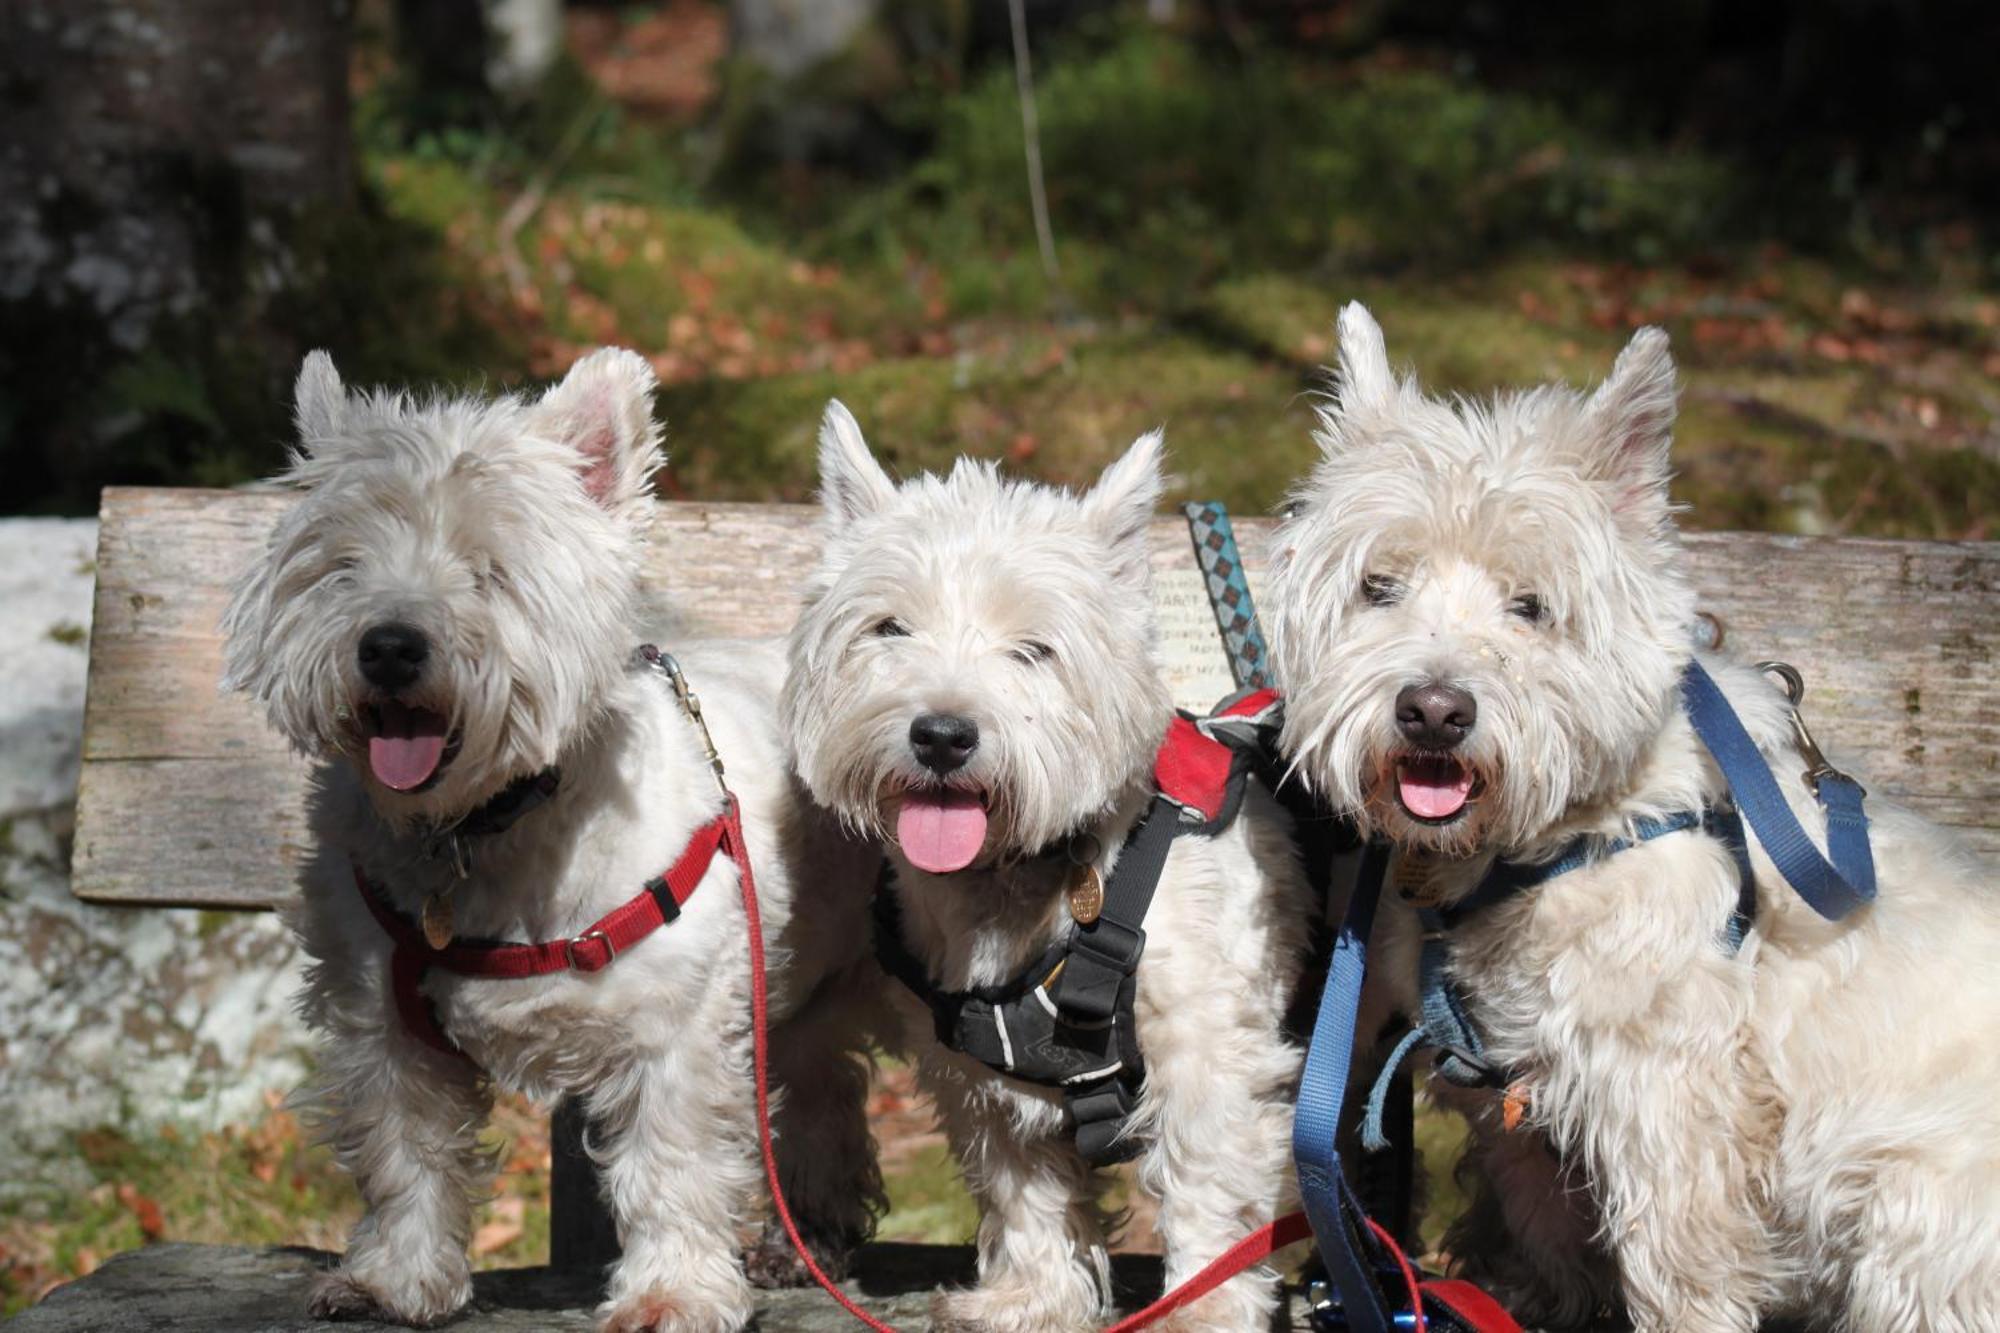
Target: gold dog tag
[[1416, 880], [1086, 894], [437, 920]]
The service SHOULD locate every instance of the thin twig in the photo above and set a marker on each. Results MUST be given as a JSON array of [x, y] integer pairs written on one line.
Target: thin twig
[[1024, 83], [529, 202]]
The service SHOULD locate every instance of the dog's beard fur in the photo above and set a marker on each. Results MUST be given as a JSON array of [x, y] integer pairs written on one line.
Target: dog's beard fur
[[508, 532], [1520, 550], [1024, 609]]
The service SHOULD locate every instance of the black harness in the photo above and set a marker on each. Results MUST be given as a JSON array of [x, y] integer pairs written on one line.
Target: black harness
[[1066, 1021]]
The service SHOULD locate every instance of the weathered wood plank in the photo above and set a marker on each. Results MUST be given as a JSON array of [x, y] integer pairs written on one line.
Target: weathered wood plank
[[187, 797]]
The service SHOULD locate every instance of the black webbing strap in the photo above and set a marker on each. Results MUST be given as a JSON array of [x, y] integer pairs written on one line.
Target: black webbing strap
[[1106, 952]]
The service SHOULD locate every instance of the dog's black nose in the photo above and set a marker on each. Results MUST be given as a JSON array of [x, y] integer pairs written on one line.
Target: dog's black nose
[[392, 656], [943, 741], [1435, 716]]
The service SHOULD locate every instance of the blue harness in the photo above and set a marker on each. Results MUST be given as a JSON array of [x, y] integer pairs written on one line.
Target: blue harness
[[1832, 887], [1445, 1026]]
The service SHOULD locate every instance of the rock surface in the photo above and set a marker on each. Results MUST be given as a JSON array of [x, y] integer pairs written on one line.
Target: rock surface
[[107, 1016], [223, 1289]]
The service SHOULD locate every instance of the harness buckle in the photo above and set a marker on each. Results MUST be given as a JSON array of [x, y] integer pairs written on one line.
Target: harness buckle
[[1817, 767], [589, 962]]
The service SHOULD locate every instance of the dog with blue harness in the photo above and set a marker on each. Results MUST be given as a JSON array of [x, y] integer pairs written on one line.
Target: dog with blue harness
[[1725, 1039]]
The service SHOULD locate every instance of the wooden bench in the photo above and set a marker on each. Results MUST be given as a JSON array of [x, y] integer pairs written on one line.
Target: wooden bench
[[187, 799]]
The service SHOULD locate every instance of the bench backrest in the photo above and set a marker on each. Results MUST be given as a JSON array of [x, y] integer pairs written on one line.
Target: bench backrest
[[187, 798]]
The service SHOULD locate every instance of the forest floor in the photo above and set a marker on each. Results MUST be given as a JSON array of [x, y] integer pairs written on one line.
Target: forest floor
[[1208, 225]]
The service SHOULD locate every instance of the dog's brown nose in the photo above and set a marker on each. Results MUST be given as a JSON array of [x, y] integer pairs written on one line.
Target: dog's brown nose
[[1435, 716]]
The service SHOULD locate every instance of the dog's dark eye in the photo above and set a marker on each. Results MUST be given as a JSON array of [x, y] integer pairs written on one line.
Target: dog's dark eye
[[1381, 590], [1528, 607], [889, 628], [1034, 650]]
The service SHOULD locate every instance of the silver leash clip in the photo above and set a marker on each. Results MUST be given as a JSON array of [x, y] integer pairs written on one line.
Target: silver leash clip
[[1817, 766], [690, 703]]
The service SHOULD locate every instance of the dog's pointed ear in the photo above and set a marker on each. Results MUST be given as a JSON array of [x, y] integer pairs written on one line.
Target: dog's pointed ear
[[852, 485], [1122, 502], [319, 403], [1630, 420], [1363, 379], [603, 409]]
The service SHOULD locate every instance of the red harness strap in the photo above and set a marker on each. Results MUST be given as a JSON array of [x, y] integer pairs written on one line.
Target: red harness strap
[[591, 950]]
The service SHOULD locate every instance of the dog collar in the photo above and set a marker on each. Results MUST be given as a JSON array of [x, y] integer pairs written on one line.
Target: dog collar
[[500, 813]]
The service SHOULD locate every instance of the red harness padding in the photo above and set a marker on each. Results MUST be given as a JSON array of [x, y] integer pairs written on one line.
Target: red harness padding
[[591, 950], [1202, 762]]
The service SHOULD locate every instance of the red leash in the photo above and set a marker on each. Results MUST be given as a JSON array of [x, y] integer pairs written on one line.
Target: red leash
[[1253, 1248]]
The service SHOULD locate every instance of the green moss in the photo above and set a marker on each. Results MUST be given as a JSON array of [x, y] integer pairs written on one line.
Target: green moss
[[1236, 428], [1441, 1139], [69, 634], [927, 1201]]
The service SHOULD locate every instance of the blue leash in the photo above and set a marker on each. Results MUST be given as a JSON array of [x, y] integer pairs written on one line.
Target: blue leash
[[1831, 889], [1328, 1200]]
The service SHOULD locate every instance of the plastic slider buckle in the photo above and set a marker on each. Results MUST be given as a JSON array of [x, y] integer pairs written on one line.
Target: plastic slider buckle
[[591, 951], [1111, 943]]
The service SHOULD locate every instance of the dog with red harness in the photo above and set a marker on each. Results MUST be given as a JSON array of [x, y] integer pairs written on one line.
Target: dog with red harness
[[1093, 915], [524, 874]]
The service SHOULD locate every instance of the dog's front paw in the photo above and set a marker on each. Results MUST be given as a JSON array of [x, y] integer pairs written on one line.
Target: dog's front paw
[[773, 1264], [664, 1311], [1001, 1310], [340, 1295]]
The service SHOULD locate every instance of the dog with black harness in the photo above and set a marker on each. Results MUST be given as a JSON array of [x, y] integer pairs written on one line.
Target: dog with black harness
[[1094, 906]]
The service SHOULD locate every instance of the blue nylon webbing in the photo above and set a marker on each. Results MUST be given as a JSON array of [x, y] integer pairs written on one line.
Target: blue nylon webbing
[[1830, 889], [1323, 1189]]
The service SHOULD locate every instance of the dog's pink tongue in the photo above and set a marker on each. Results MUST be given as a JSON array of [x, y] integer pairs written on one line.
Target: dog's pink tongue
[[408, 748], [941, 831], [1433, 788]]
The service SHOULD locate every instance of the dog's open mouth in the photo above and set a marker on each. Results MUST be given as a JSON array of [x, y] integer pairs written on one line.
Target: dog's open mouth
[[1435, 788], [408, 748], [941, 829]]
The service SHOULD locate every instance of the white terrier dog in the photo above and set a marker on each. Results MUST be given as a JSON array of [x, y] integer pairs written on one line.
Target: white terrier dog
[[973, 681], [1482, 616], [448, 616]]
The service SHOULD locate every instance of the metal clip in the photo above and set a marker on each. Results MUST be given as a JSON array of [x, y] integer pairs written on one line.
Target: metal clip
[[451, 848], [690, 703], [1817, 766], [1323, 1309]]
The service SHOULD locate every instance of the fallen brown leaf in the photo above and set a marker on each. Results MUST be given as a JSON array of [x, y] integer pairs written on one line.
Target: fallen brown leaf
[[151, 1224]]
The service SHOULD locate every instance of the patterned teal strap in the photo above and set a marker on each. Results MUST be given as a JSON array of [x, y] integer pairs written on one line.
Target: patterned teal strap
[[1228, 593]]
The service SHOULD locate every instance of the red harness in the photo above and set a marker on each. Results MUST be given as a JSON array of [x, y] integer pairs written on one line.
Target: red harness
[[592, 950]]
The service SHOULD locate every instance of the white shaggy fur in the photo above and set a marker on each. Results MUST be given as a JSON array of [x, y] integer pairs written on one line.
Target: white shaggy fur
[[1029, 611], [1809, 1126], [510, 532]]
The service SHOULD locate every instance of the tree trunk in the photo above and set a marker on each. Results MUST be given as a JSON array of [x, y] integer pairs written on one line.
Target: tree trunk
[[156, 154]]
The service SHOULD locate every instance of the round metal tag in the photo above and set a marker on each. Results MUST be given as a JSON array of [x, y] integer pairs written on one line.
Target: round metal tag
[[1086, 894], [437, 920]]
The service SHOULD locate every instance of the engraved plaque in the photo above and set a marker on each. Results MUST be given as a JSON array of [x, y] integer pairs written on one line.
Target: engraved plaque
[[1191, 652]]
